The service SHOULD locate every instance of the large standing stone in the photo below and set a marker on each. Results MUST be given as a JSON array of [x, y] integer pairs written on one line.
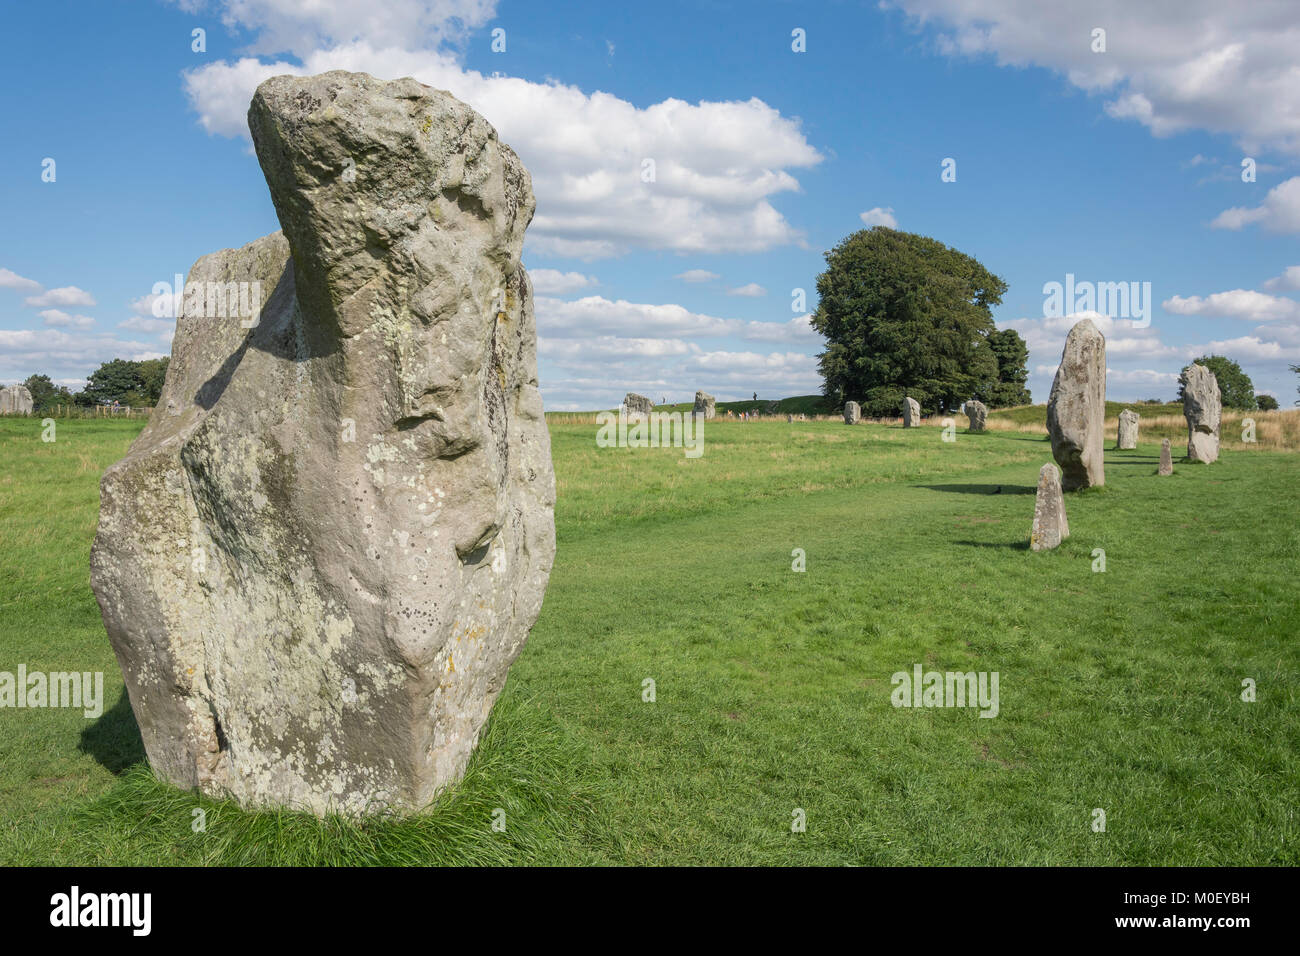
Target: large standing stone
[[1050, 527], [320, 557], [978, 414], [1128, 429], [1076, 409], [1166, 459], [705, 405], [15, 400], [852, 413], [1203, 408], [911, 413], [638, 404]]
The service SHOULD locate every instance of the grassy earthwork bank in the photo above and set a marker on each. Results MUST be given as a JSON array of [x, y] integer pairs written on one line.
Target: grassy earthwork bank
[[1119, 690]]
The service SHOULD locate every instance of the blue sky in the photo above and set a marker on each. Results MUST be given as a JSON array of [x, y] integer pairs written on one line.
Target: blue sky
[[1114, 166]]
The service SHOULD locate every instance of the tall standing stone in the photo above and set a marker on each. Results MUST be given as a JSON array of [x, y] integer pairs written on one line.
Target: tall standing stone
[[1203, 409], [1166, 459], [705, 405], [1076, 409], [319, 559], [637, 404], [978, 414], [911, 413], [1050, 527], [852, 413], [1128, 429]]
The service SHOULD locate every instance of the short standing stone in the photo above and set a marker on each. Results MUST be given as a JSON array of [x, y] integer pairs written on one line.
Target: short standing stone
[[789, 419], [316, 571], [638, 404], [852, 413], [978, 414], [704, 405], [1050, 527], [1166, 459], [15, 400], [1076, 409], [1128, 429], [911, 413], [1203, 408]]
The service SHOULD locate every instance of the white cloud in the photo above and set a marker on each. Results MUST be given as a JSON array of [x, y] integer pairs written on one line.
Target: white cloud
[[879, 217], [298, 27], [67, 295], [1279, 212], [596, 315], [12, 280], [57, 317], [1248, 348], [64, 355], [750, 290], [555, 282], [697, 275], [1195, 64], [717, 164], [1236, 304], [1288, 280], [139, 323]]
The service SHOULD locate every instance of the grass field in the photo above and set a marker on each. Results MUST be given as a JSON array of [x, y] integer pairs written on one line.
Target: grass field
[[1118, 690]]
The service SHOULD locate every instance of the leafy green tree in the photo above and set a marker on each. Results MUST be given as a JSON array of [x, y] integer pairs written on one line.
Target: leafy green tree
[[1235, 385], [128, 382], [152, 373], [905, 315], [1012, 355], [1296, 369], [1267, 403], [45, 394]]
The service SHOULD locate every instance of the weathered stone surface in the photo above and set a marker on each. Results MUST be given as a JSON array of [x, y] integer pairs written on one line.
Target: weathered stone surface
[[1050, 527], [320, 557], [705, 405], [1203, 409], [978, 414], [852, 413], [15, 400], [638, 404], [911, 413], [1128, 429], [1166, 459], [1076, 409]]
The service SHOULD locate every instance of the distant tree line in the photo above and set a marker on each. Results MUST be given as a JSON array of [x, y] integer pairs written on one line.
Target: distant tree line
[[134, 383]]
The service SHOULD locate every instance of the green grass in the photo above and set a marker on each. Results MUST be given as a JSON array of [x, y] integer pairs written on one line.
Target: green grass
[[1119, 690]]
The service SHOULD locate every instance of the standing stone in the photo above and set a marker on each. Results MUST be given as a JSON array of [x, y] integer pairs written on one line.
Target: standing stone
[[638, 404], [1203, 408], [978, 414], [1128, 429], [705, 405], [1076, 409], [1050, 527], [852, 413], [15, 400], [1166, 459], [318, 567], [789, 419], [911, 413]]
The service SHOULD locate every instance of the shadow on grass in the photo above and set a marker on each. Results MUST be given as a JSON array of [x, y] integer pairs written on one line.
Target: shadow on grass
[[1011, 545], [983, 489], [114, 740]]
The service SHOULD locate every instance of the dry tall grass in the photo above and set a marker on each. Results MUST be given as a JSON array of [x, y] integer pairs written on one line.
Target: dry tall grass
[[1275, 431]]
